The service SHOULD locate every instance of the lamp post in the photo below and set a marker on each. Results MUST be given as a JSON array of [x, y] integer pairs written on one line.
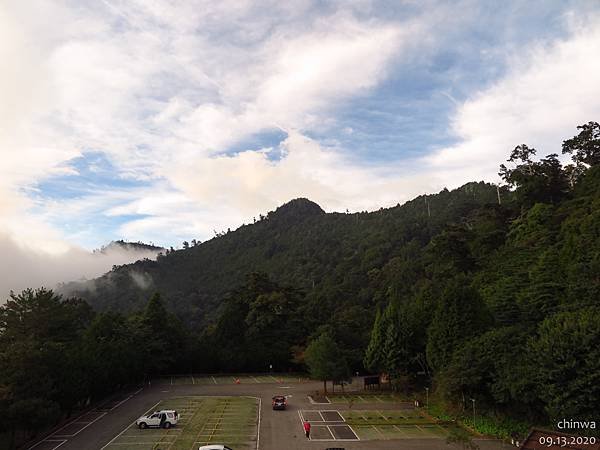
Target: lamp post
[[427, 394], [473, 400]]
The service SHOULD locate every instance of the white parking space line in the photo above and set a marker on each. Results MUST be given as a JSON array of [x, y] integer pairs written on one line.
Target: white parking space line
[[137, 436], [61, 442], [382, 415], [214, 380], [301, 418], [258, 424], [122, 432], [379, 431], [120, 403], [81, 429], [72, 421], [334, 411], [57, 434], [331, 438], [357, 437], [255, 379]]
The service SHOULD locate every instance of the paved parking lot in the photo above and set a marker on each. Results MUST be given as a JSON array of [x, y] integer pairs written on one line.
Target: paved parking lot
[[278, 430]]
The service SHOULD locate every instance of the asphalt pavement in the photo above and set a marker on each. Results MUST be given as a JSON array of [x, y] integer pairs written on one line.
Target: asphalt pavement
[[279, 430]]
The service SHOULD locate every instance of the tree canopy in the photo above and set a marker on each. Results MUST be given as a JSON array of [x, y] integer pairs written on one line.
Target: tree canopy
[[325, 361]]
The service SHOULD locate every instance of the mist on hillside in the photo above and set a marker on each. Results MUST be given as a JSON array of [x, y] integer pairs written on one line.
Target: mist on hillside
[[22, 267]]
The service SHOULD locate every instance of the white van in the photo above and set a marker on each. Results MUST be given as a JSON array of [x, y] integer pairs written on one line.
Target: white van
[[215, 447], [165, 418]]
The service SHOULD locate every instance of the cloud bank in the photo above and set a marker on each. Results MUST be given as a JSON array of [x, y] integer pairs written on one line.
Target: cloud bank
[[26, 268]]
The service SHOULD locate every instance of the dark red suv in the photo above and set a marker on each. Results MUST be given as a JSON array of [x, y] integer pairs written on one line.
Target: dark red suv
[[279, 402]]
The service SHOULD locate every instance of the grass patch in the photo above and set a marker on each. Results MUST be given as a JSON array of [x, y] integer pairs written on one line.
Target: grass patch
[[399, 432], [385, 417], [366, 432], [356, 398], [497, 426], [500, 427]]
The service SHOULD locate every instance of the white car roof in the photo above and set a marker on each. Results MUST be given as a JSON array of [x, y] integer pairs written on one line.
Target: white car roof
[[212, 447], [159, 412]]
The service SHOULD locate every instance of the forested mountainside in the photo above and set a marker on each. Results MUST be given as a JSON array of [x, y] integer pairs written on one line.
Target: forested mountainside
[[332, 258]]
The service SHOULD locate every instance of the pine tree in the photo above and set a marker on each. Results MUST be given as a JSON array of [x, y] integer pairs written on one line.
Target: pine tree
[[374, 358], [460, 314], [545, 289], [395, 355]]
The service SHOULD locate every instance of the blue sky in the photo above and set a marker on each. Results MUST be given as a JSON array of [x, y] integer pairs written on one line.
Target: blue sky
[[147, 121]]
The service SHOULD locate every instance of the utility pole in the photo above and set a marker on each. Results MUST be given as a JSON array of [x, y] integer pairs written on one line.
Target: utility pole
[[473, 400], [427, 394], [498, 192]]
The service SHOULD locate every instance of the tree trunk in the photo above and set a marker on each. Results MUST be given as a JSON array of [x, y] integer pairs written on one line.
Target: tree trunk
[[325, 386]]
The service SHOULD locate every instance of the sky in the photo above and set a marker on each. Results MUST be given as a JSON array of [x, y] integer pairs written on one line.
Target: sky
[[163, 121]]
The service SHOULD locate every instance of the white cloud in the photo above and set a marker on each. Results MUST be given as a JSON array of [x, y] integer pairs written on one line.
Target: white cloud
[[160, 89], [249, 181], [548, 91]]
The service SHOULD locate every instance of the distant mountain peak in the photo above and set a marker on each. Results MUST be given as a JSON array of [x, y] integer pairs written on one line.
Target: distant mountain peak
[[298, 208], [129, 246]]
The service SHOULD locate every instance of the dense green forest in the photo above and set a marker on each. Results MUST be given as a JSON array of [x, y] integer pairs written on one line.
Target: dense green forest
[[483, 292]]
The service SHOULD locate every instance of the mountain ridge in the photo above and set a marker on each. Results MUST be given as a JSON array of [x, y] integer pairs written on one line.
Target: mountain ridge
[[298, 244], [126, 245]]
